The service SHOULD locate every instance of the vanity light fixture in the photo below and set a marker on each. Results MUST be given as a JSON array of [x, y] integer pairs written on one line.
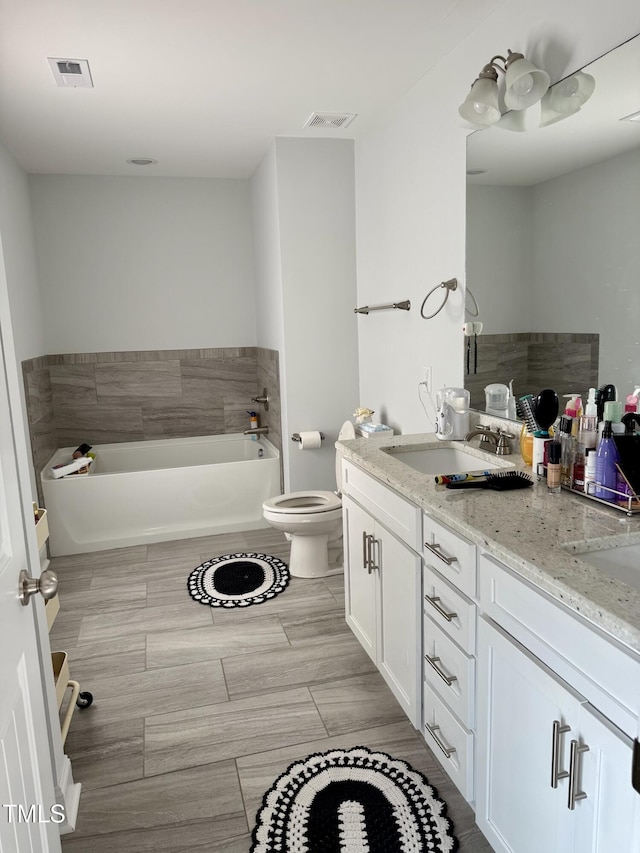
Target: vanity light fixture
[[525, 85], [566, 98]]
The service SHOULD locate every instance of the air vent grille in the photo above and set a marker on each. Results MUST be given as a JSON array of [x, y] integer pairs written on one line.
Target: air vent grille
[[71, 73], [331, 121]]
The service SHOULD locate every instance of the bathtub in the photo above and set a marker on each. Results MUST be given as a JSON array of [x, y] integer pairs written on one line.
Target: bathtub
[[154, 491]]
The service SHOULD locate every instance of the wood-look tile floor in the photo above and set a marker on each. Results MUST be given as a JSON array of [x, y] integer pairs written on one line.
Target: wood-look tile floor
[[196, 711]]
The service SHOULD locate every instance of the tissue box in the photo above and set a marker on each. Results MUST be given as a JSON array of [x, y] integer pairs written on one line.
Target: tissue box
[[367, 430]]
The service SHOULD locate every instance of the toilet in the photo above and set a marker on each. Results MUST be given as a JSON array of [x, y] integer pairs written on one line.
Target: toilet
[[312, 521]]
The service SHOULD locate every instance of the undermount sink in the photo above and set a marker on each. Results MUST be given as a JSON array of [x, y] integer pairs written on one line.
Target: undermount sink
[[621, 563], [448, 458]]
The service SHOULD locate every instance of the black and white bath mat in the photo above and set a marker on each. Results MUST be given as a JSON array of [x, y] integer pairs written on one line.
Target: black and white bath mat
[[238, 580], [352, 801]]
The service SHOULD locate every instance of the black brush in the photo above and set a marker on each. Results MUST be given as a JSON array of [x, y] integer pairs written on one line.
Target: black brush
[[504, 481], [525, 411]]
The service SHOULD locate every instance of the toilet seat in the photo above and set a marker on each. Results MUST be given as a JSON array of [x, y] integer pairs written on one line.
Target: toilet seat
[[307, 503]]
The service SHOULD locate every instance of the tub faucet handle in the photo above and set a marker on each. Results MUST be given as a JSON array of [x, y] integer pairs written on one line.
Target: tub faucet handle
[[262, 398]]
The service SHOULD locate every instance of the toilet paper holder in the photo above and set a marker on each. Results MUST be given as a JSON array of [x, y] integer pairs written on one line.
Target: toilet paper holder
[[296, 436]]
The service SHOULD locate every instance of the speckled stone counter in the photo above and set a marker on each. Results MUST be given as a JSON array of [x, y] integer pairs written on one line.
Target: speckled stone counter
[[537, 533]]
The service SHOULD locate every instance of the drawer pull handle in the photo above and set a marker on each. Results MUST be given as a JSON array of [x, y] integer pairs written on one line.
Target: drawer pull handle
[[373, 543], [557, 774], [447, 750], [433, 601], [574, 761], [365, 551], [448, 679], [434, 550]]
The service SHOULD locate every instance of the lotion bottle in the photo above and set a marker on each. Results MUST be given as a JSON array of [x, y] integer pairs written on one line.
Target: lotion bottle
[[606, 471]]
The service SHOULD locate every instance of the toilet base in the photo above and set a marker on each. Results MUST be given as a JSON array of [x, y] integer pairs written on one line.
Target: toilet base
[[310, 557]]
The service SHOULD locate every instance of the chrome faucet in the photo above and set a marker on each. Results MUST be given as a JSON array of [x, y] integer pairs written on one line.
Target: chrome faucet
[[497, 439], [263, 430]]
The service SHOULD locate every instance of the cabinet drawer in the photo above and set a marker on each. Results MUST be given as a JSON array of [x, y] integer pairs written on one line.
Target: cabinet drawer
[[450, 554], [452, 665], [595, 665], [449, 609], [393, 511], [450, 741]]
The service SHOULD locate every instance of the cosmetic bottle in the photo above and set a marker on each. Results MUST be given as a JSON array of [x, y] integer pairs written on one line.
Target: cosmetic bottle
[[253, 423], [554, 454], [567, 453], [577, 479], [606, 471], [589, 472], [588, 429]]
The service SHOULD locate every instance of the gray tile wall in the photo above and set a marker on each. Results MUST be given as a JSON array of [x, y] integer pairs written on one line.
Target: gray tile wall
[[106, 397], [565, 362]]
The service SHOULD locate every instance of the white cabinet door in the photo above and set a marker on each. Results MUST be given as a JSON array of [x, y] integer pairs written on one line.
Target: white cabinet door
[[383, 603], [399, 637], [608, 818], [517, 808], [360, 580]]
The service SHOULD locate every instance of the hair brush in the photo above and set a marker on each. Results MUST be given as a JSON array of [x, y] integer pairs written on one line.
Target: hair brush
[[504, 481], [525, 408]]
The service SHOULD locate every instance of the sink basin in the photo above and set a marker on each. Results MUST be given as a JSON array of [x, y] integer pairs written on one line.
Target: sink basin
[[621, 563], [447, 458]]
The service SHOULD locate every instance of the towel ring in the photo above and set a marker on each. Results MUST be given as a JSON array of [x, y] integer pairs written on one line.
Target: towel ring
[[475, 302], [450, 285]]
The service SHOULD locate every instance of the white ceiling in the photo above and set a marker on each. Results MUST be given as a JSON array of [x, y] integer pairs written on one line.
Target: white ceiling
[[204, 86]]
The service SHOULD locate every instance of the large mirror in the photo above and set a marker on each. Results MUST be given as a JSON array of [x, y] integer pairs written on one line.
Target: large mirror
[[553, 244]]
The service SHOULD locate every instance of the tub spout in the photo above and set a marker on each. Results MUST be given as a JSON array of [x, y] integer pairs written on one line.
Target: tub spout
[[263, 430]]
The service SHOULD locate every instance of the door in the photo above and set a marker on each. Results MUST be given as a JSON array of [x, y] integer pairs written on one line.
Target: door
[[360, 577], [28, 815], [399, 642], [519, 700], [608, 817]]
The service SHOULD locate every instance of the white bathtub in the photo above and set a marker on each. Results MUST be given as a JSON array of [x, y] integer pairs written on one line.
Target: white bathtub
[[153, 491]]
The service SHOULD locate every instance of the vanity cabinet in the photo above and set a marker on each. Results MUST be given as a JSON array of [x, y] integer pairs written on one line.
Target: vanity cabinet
[[553, 773], [449, 644], [383, 583]]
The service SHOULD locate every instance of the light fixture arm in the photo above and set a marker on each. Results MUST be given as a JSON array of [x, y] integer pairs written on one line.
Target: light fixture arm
[[490, 70]]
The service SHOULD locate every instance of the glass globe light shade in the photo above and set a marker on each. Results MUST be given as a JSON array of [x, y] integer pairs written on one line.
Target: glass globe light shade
[[480, 107], [524, 83]]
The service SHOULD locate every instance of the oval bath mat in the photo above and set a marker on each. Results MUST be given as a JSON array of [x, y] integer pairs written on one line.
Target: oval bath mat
[[238, 580]]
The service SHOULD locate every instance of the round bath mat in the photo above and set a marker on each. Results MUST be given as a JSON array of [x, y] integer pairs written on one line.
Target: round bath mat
[[351, 801], [238, 580]]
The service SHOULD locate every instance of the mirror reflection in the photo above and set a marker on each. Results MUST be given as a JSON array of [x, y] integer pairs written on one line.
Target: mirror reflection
[[553, 243]]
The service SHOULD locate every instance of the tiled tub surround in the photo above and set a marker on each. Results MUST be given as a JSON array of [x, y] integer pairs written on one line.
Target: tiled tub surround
[[567, 362], [531, 530], [108, 397]]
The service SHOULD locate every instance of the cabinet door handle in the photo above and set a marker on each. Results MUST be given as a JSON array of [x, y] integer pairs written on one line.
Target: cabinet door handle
[[365, 551], [375, 543], [574, 772], [556, 774], [447, 750], [433, 601], [434, 550], [448, 679]]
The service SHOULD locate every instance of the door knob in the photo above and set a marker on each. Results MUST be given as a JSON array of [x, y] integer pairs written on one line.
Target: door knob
[[46, 585]]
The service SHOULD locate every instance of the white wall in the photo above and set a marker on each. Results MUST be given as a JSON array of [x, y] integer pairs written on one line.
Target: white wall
[[16, 228], [500, 256], [316, 199], [17, 252], [587, 241], [143, 263], [303, 199], [410, 194]]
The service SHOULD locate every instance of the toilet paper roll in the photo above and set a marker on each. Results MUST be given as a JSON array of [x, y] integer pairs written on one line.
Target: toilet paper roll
[[310, 440]]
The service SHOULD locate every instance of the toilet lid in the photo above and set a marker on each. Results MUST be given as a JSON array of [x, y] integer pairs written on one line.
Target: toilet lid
[[303, 502]]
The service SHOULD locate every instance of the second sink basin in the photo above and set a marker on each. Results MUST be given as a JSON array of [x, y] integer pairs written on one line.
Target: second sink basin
[[621, 562], [447, 458]]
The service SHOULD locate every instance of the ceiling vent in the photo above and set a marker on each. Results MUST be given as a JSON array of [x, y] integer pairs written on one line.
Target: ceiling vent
[[71, 73], [330, 121]]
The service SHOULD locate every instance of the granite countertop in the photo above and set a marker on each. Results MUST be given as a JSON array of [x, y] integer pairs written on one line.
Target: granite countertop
[[537, 533]]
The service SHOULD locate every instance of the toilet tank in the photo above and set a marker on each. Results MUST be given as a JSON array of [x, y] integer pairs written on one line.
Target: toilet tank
[[347, 433]]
